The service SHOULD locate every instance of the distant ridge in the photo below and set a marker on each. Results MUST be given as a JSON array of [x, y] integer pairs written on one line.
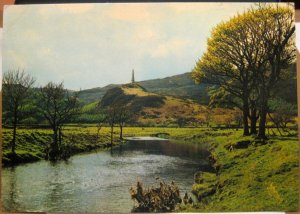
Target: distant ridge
[[181, 86]]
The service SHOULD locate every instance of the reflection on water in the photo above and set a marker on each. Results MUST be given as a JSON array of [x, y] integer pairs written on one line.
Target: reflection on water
[[99, 182]]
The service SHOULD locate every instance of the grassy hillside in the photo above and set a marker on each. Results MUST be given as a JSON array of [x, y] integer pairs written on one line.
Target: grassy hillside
[[181, 86], [94, 94], [152, 109], [251, 175]]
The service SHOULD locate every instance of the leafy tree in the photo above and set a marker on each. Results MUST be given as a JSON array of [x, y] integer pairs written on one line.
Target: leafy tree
[[228, 61], [247, 56], [221, 98], [16, 94], [58, 106], [277, 33]]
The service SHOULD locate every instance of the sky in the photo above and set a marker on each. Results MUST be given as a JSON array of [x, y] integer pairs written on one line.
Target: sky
[[93, 45]]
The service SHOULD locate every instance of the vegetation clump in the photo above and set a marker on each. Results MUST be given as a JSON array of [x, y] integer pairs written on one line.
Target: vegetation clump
[[163, 198]]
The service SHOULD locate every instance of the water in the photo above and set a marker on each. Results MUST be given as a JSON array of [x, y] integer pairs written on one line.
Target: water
[[100, 181]]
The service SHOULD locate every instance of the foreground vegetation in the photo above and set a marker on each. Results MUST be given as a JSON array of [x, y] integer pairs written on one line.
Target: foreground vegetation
[[162, 198]]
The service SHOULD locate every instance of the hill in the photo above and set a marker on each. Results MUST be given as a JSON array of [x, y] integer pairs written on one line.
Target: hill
[[94, 94], [153, 109], [181, 86]]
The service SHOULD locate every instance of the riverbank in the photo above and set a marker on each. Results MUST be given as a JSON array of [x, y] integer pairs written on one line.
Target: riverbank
[[250, 175], [32, 144]]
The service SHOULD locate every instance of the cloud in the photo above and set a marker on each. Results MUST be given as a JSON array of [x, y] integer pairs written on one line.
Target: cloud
[[170, 47], [145, 35], [193, 7], [92, 45], [45, 52], [132, 12]]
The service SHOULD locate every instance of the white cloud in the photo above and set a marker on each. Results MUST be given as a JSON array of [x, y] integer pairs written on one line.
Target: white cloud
[[92, 45], [145, 35], [132, 12], [169, 47], [194, 7]]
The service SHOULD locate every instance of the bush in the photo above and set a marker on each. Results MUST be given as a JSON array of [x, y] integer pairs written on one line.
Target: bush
[[155, 199]]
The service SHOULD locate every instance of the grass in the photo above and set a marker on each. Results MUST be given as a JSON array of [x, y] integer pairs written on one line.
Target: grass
[[89, 107], [254, 177], [136, 91], [31, 144], [262, 176]]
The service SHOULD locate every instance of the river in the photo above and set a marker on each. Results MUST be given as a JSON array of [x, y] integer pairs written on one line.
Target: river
[[100, 181]]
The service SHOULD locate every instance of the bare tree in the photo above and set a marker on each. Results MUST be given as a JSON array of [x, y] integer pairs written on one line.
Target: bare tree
[[57, 106], [101, 118], [16, 91], [282, 113], [123, 116], [112, 116]]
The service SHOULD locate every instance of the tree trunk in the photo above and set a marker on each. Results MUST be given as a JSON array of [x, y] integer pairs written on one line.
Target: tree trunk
[[245, 116], [121, 132], [54, 150], [263, 116], [60, 136], [98, 133], [13, 142], [253, 121], [111, 135]]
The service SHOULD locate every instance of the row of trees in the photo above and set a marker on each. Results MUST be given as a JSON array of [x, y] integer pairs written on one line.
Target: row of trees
[[53, 104], [246, 57]]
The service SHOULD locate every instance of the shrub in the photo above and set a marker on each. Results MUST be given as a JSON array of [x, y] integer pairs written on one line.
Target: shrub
[[155, 199]]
